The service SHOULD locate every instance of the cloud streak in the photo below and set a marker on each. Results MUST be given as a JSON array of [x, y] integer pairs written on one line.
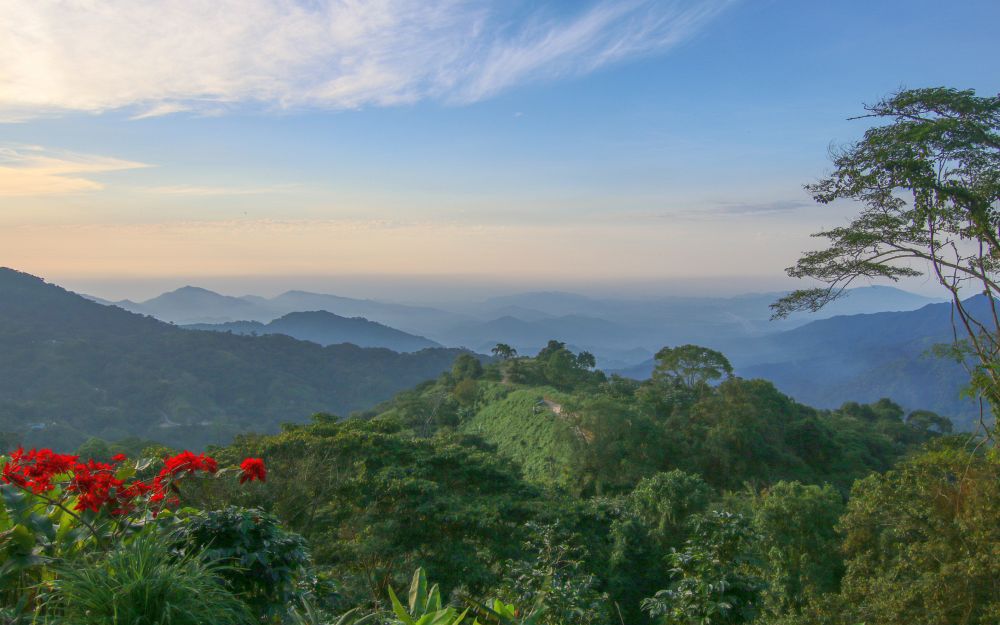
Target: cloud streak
[[161, 57], [202, 191], [28, 170], [762, 208]]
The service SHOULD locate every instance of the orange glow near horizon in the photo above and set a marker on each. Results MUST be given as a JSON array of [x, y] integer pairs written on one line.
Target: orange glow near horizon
[[267, 248]]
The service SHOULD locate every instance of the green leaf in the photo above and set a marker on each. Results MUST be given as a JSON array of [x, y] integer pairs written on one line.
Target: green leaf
[[125, 472], [433, 601], [418, 591], [399, 610]]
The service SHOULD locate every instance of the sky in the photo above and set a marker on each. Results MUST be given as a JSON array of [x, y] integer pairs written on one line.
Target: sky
[[409, 147]]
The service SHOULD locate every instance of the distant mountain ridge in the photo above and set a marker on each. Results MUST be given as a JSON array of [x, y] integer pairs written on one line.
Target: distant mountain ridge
[[191, 305], [536, 333], [326, 328], [861, 358], [176, 305], [620, 332], [623, 332], [756, 306], [72, 368]]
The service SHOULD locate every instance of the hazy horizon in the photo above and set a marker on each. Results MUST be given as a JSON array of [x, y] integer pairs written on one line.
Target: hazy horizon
[[446, 290]]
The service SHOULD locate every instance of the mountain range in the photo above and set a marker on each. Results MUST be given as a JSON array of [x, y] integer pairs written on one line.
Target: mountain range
[[72, 368], [870, 344], [194, 305], [620, 332]]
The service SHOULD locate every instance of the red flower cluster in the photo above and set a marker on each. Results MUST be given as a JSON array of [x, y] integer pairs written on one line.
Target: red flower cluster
[[95, 483], [35, 469], [184, 462], [187, 462], [253, 469]]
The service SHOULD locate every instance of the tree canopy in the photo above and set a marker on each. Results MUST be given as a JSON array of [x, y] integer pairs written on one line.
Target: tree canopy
[[692, 365], [927, 179]]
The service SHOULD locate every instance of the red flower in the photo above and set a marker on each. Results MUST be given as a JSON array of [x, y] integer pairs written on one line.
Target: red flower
[[36, 468], [137, 488], [119, 458], [189, 462], [12, 474], [253, 469], [96, 484]]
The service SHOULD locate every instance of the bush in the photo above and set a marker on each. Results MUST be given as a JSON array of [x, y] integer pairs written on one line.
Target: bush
[[142, 582], [553, 582], [263, 559]]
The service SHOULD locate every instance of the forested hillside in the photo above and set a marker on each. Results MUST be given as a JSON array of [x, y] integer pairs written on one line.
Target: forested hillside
[[494, 479], [572, 427], [72, 368]]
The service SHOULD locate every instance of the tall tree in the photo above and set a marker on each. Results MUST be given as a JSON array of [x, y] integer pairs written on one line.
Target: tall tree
[[504, 351], [654, 523], [927, 178], [691, 364], [715, 575], [467, 367]]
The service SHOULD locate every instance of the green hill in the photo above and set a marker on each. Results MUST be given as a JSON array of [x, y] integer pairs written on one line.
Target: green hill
[[567, 426]]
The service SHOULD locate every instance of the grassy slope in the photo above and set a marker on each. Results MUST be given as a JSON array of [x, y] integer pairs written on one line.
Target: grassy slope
[[525, 432]]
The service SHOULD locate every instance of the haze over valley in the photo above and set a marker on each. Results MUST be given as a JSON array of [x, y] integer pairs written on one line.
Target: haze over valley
[[877, 339]]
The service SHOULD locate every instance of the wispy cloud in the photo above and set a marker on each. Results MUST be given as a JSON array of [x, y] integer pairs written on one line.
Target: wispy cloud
[[160, 109], [761, 208], [28, 170], [606, 33], [160, 57], [202, 191]]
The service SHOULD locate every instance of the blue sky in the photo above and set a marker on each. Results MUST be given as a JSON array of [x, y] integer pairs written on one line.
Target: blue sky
[[568, 143]]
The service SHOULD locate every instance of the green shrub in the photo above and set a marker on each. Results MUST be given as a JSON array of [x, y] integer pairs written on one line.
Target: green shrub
[[263, 559], [552, 583], [141, 582], [715, 575]]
